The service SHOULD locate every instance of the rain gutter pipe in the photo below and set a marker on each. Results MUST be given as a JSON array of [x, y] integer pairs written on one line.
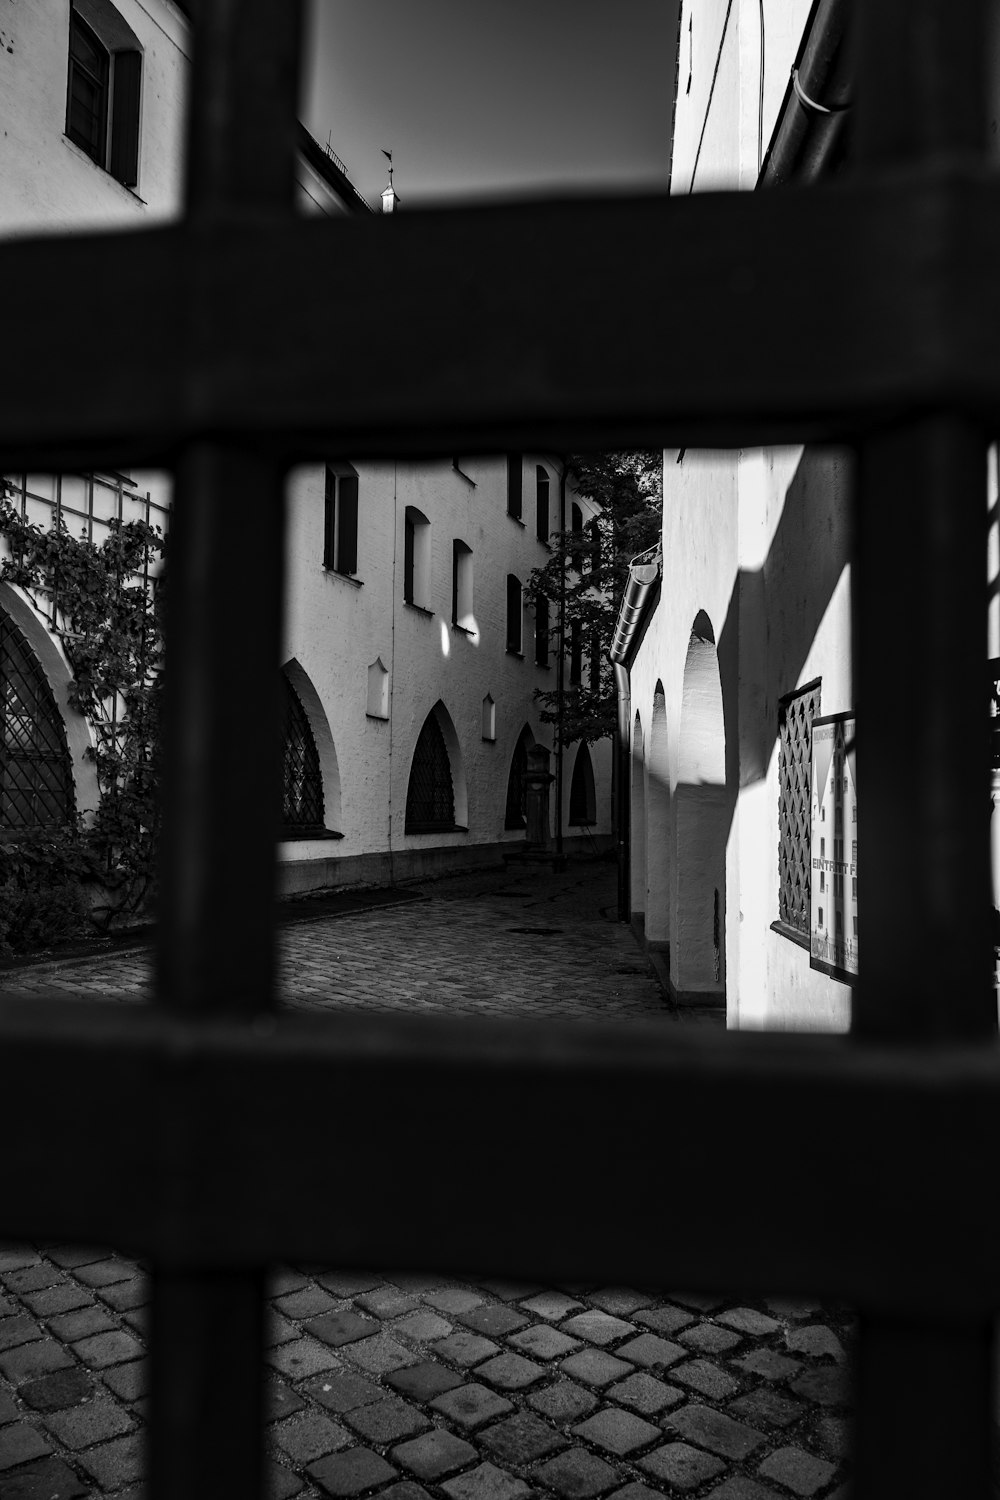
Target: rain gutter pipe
[[643, 578]]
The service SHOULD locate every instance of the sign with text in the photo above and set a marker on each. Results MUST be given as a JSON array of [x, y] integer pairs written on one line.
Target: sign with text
[[833, 919]]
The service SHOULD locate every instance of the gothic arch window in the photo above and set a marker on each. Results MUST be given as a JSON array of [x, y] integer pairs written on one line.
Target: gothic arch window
[[36, 776], [516, 812], [430, 796], [582, 794], [301, 775]]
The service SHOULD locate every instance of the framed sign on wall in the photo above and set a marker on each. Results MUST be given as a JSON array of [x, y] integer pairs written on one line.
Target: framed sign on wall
[[833, 921]]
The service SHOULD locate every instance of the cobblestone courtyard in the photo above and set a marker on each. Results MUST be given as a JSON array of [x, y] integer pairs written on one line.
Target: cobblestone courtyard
[[422, 1386]]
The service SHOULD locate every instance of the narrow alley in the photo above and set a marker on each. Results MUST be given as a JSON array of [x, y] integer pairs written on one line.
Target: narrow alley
[[416, 1386]]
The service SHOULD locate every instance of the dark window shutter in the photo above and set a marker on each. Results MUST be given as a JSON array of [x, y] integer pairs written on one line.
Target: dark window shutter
[[408, 561], [125, 118], [347, 524], [513, 613], [330, 520], [514, 485]]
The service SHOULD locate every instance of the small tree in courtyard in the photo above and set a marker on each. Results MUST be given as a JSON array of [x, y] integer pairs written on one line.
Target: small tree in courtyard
[[584, 580]]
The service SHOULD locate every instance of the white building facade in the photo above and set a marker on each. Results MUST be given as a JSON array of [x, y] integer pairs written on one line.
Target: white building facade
[[749, 641], [411, 659]]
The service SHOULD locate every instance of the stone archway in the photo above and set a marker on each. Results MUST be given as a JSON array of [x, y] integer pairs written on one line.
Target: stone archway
[[659, 830], [698, 946], [637, 824]]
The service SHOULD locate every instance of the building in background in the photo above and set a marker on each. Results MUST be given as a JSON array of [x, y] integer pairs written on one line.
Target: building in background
[[411, 658], [747, 639]]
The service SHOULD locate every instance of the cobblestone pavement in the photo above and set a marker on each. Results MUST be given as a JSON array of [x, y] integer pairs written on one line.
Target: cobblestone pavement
[[420, 1386]]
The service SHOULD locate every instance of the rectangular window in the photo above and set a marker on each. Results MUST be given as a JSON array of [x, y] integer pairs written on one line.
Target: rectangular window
[[103, 92], [514, 485], [595, 662], [513, 613], [796, 712], [409, 537], [461, 585], [340, 524], [541, 504], [541, 631]]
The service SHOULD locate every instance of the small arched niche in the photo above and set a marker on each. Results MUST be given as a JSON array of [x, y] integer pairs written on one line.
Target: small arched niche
[[378, 690]]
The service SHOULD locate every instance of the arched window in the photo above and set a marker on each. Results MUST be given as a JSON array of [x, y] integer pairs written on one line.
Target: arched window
[[102, 96], [430, 796], [416, 558], [36, 776], [301, 776], [516, 812], [582, 796]]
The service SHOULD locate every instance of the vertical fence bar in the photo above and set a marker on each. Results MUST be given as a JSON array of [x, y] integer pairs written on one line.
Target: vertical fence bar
[[221, 818], [923, 1412]]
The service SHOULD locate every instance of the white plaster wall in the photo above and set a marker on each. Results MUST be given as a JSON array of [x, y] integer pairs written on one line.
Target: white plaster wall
[[336, 628], [47, 182], [759, 541]]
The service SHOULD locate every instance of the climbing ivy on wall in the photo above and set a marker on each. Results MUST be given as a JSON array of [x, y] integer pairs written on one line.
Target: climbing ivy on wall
[[107, 607]]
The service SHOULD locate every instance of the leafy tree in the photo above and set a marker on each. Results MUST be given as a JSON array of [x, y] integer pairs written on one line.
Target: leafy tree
[[589, 568], [109, 614]]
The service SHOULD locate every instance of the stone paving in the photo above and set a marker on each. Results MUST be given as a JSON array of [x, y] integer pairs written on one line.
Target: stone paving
[[441, 1388]]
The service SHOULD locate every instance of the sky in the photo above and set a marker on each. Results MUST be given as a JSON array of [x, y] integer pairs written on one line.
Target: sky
[[490, 98]]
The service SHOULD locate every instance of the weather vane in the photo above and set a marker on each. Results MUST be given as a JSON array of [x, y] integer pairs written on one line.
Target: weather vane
[[388, 155]]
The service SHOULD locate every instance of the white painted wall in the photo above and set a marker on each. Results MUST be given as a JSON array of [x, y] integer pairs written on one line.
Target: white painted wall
[[758, 541]]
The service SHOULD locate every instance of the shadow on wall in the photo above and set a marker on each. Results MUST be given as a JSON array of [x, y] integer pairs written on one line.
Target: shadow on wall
[[728, 732]]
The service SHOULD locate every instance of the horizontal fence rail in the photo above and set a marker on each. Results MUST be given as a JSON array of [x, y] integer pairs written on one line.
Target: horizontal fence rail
[[549, 325], [231, 1156]]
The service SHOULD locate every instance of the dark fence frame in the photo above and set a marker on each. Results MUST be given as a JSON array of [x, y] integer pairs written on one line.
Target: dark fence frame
[[875, 1151]]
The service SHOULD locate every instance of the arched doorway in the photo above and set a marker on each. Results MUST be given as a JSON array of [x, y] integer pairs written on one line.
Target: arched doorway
[[582, 792], [698, 947], [436, 793], [516, 809], [659, 828], [637, 817]]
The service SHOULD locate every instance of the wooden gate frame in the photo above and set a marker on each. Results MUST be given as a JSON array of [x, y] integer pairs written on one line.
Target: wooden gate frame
[[218, 1137]]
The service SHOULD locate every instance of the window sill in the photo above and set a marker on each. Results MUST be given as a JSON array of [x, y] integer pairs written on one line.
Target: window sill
[[435, 828], [517, 521], [128, 192], [543, 666], [463, 629], [518, 654], [304, 835], [801, 939], [378, 718], [357, 583], [419, 609]]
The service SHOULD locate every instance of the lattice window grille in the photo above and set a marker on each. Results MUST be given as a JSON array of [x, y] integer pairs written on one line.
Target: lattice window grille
[[430, 796], [516, 812], [795, 716], [36, 776], [302, 779]]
